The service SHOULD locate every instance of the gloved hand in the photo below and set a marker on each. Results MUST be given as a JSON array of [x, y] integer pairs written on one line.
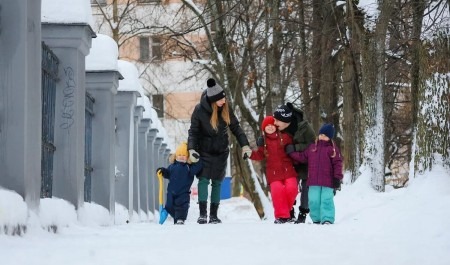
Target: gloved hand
[[246, 152], [336, 185], [289, 148], [194, 156], [260, 141], [160, 170]]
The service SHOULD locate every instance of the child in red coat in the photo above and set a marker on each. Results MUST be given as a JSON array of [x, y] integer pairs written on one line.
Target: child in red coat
[[280, 172]]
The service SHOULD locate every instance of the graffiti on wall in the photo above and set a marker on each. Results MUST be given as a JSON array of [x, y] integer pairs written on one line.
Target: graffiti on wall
[[68, 101]]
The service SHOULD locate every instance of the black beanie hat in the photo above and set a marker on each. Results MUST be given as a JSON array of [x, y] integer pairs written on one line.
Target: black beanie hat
[[283, 113], [328, 130], [214, 92]]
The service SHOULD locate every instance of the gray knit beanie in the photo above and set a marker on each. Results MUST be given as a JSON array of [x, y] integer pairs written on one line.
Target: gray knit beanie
[[214, 92]]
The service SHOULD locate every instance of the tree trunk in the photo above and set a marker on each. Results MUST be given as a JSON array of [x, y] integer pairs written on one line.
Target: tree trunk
[[115, 29], [374, 99], [302, 64], [316, 62], [328, 83], [242, 175], [269, 59], [351, 125], [418, 12], [351, 117], [433, 123]]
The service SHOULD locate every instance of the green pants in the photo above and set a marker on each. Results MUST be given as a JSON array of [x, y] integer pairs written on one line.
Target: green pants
[[203, 190]]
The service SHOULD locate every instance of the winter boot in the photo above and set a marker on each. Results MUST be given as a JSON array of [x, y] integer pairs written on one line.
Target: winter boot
[[203, 218], [281, 220], [213, 214], [292, 216], [302, 216], [179, 222]]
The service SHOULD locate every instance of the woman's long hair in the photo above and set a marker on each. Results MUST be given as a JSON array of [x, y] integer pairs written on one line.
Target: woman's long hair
[[225, 114]]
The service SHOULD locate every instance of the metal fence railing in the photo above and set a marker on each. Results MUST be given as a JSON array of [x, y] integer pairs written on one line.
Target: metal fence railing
[[89, 110], [49, 78]]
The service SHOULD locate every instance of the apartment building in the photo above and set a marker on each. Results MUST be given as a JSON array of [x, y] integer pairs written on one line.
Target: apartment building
[[140, 28]]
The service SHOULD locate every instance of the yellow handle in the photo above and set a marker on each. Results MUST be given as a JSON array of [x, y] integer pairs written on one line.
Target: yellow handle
[[160, 179]]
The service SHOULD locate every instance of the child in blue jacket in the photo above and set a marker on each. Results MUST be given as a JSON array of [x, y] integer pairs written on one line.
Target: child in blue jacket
[[180, 174]]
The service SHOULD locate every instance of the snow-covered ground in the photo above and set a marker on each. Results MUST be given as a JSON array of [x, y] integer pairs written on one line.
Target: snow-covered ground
[[408, 226]]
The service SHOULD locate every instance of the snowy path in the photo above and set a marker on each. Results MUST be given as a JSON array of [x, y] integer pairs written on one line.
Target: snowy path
[[233, 243], [399, 227]]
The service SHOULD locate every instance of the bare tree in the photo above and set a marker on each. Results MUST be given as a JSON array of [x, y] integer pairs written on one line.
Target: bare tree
[[374, 77], [432, 138], [351, 79], [125, 20], [319, 55]]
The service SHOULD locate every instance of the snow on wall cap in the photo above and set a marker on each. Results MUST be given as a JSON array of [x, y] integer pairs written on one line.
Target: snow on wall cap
[[162, 132], [170, 144], [103, 54], [157, 124], [66, 11], [153, 115], [145, 102], [130, 75]]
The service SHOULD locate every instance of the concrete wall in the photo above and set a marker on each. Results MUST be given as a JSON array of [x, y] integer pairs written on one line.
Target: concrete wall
[[156, 164], [20, 91], [21, 34], [103, 87], [125, 102], [71, 43], [144, 127], [152, 184], [138, 111]]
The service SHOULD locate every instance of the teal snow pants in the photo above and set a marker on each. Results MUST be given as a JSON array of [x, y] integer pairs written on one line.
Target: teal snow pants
[[321, 204]]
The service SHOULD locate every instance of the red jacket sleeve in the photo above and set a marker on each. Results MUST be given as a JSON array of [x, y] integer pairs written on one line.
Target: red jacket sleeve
[[258, 154]]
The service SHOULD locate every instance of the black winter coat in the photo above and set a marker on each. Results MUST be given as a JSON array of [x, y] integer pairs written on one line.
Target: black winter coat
[[212, 145], [302, 135]]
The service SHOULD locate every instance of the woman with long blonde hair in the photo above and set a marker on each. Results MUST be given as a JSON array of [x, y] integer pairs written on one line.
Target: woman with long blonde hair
[[208, 141]]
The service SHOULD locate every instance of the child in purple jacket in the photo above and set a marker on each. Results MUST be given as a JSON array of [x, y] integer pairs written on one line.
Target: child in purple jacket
[[324, 170]]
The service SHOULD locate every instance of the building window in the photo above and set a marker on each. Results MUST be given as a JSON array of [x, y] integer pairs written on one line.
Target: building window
[[98, 2], [158, 104], [144, 48], [156, 49]]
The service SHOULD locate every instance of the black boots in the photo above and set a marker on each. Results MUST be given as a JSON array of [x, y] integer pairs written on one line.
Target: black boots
[[203, 218], [292, 216], [281, 220], [213, 214], [302, 216]]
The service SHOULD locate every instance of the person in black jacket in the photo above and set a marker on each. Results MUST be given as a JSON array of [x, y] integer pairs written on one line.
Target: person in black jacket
[[208, 141], [180, 175]]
